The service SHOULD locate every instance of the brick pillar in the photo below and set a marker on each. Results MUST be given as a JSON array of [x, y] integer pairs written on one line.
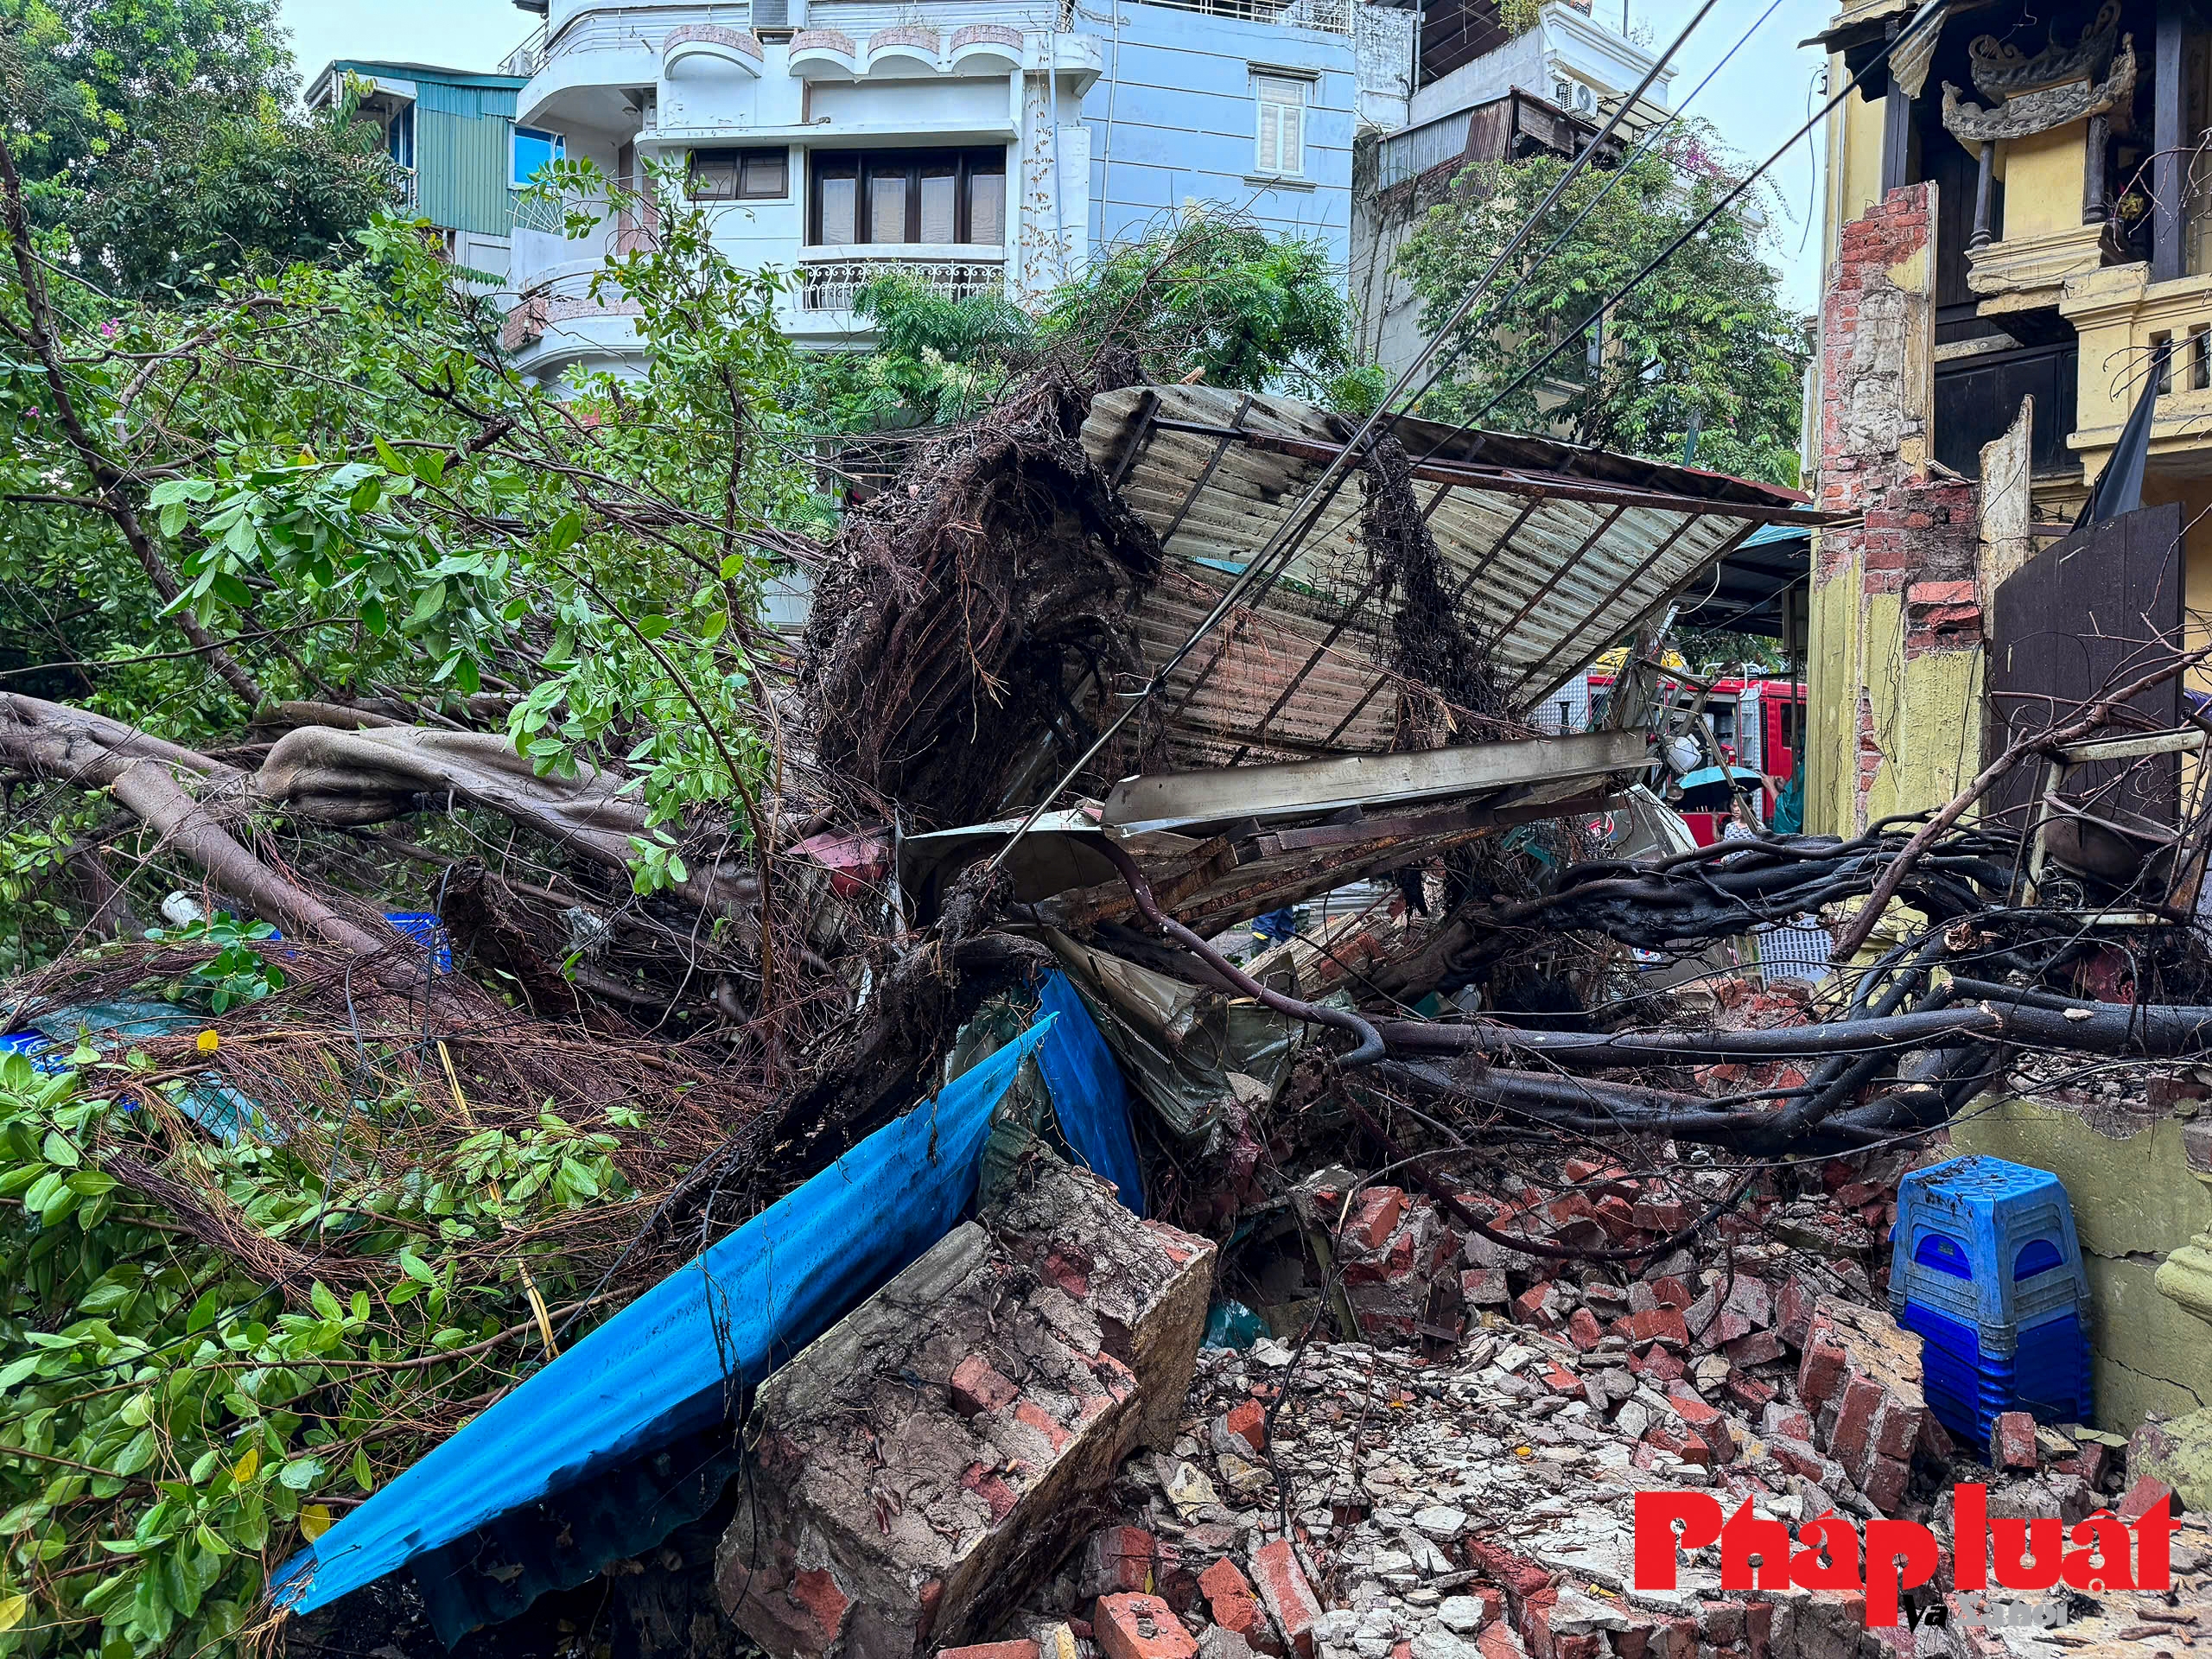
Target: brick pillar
[[1895, 609]]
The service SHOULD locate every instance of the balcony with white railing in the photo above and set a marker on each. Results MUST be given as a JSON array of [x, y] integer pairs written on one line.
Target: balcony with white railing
[[591, 53], [830, 279], [1329, 16]]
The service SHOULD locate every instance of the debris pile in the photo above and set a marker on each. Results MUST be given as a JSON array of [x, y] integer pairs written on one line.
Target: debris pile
[[1510, 1228]]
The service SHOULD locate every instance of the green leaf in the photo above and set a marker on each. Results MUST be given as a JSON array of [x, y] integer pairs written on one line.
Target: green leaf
[[325, 1303], [652, 628], [18, 1369], [58, 1149], [415, 1267], [363, 1477], [428, 604], [203, 1311], [565, 531], [138, 1453], [300, 1473], [390, 458]]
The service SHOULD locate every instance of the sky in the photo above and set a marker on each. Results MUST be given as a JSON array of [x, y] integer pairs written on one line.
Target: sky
[[1756, 100]]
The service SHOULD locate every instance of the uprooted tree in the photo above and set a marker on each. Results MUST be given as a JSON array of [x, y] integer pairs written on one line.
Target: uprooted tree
[[313, 610]]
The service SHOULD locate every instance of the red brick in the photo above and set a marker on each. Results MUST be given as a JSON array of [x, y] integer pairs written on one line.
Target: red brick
[[1758, 1348], [1247, 1421], [1560, 1380], [1850, 1441], [977, 1387], [1884, 1481], [1634, 1643], [818, 1591], [987, 1485], [1711, 1425], [1583, 1330], [1896, 1427], [1720, 1623], [1933, 593], [2144, 1495], [1139, 1627], [2013, 1442], [1797, 1456], [1375, 1218], [1820, 1371], [1662, 1324], [1759, 1629], [1070, 1270], [1685, 1443], [1659, 1365], [2090, 1462], [1794, 1310], [1118, 1559], [1750, 1392], [1661, 1215], [1230, 1600], [1534, 1307], [1520, 1576], [1286, 1594], [1671, 1291], [991, 1650], [1935, 1439]]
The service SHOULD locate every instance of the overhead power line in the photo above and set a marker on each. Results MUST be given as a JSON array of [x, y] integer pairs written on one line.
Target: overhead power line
[[1262, 571]]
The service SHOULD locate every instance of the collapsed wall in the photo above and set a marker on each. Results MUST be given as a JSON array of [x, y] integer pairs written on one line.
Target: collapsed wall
[[944, 1445], [1896, 609]]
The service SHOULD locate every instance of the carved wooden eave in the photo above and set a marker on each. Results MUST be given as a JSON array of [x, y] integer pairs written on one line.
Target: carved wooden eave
[[2044, 110], [2002, 71]]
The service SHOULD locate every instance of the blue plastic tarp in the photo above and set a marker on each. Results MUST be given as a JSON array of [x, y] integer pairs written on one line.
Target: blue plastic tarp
[[1089, 1096], [675, 1360]]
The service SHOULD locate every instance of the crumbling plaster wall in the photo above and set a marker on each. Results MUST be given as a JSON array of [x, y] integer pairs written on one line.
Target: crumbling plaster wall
[[1896, 654], [2137, 1199]]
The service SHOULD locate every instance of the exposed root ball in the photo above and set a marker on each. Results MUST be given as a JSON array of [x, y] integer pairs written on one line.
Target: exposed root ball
[[956, 610]]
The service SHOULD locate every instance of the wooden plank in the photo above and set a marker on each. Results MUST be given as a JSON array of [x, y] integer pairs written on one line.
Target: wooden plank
[[1310, 788], [1273, 843]]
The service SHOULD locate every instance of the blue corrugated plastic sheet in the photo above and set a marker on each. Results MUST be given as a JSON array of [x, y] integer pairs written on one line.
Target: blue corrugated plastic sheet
[[673, 1361], [1088, 1095]]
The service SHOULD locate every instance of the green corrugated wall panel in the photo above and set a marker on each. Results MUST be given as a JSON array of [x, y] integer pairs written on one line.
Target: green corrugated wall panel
[[462, 156]]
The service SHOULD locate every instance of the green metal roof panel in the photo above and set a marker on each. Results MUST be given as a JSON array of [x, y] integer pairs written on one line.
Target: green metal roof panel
[[461, 169]]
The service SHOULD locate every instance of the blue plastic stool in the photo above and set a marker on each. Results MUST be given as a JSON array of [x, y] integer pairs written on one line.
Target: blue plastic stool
[[1984, 1266]]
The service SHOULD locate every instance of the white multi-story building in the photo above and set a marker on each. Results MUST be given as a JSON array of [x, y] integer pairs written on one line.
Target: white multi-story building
[[980, 145]]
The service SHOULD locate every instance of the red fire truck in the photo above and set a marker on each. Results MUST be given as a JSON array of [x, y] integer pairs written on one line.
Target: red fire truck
[[1760, 725]]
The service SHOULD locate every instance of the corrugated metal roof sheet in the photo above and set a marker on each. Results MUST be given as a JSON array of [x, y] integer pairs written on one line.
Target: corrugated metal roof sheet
[[1554, 552]]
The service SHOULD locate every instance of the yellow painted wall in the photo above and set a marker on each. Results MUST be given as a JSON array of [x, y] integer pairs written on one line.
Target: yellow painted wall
[[2042, 180], [1923, 715], [1854, 143], [1832, 718]]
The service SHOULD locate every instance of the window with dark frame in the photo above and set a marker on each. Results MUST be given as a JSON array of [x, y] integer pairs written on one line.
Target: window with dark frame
[[907, 196], [739, 174]]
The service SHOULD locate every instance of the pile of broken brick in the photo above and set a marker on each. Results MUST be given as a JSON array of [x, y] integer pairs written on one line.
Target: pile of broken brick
[[1019, 1447]]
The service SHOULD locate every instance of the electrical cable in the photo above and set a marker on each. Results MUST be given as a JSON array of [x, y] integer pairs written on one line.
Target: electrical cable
[[1931, 15]]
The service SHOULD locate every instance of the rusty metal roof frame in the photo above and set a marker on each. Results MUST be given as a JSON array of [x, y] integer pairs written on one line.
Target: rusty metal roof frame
[[1554, 550]]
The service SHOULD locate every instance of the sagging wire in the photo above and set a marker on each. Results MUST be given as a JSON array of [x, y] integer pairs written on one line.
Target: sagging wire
[[1290, 533]]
